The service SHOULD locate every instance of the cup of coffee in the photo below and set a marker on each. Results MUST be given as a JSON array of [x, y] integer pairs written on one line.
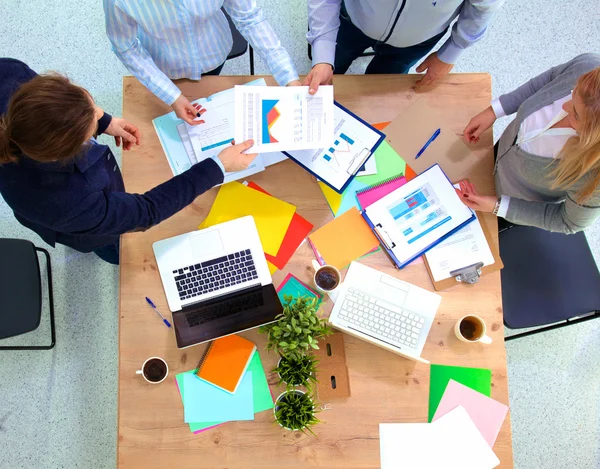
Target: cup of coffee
[[471, 328], [154, 370], [327, 278]]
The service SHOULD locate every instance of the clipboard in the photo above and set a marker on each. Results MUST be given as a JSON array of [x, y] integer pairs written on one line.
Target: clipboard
[[467, 271], [409, 131], [388, 244], [357, 162]]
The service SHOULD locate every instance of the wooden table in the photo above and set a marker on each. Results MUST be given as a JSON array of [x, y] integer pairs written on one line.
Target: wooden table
[[385, 387]]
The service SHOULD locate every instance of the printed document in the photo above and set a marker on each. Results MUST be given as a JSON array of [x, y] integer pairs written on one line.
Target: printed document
[[415, 216], [281, 118], [344, 154]]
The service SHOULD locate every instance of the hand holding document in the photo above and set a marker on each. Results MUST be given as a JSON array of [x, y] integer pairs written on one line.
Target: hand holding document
[[283, 118]]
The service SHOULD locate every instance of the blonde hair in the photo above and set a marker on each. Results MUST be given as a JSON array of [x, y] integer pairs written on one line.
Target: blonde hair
[[580, 157]]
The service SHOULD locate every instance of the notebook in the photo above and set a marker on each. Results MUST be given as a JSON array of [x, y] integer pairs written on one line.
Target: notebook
[[479, 379], [272, 216], [206, 403], [261, 393], [296, 233], [486, 413], [293, 286], [373, 193], [343, 239], [225, 362]]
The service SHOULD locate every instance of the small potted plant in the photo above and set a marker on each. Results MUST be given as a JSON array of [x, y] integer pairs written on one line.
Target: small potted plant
[[297, 371], [295, 411], [297, 329]]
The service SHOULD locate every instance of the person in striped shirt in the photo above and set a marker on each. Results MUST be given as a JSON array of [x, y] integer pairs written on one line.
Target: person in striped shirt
[[162, 40]]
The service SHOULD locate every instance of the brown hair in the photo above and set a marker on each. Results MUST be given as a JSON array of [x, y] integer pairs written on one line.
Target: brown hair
[[48, 119], [580, 157]]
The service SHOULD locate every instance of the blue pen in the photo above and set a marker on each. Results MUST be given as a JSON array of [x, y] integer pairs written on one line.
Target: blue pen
[[433, 137], [158, 312]]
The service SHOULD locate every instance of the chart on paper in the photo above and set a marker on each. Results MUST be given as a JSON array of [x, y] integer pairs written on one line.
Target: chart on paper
[[282, 119]]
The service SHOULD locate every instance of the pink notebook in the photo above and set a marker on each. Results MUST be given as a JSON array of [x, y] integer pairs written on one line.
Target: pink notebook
[[486, 413], [378, 191]]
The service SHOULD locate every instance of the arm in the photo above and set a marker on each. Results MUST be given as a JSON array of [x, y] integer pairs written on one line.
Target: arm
[[250, 21], [121, 29], [470, 27], [115, 213], [566, 217], [510, 102], [324, 23]]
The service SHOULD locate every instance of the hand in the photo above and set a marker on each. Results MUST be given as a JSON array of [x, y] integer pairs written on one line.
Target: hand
[[123, 130], [470, 197], [294, 83], [479, 124], [234, 158], [188, 111], [320, 74], [436, 69]]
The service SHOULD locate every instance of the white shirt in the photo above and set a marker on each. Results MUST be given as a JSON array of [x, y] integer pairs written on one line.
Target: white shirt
[[536, 135]]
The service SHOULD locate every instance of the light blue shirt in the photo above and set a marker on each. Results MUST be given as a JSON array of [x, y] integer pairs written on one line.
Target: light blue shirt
[[162, 40], [401, 23]]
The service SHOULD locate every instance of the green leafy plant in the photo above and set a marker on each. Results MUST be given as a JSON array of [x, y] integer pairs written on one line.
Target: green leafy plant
[[297, 329], [295, 410], [297, 371]]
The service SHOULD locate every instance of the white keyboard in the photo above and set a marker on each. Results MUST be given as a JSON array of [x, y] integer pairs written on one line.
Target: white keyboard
[[381, 318]]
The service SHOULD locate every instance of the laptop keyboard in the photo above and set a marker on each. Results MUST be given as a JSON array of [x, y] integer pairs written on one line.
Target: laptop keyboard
[[225, 308], [215, 274], [381, 318]]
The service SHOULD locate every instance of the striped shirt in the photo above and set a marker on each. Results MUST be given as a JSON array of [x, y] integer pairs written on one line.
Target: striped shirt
[[162, 40]]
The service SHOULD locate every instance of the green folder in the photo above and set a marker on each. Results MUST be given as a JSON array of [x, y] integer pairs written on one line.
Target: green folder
[[262, 398], [479, 379]]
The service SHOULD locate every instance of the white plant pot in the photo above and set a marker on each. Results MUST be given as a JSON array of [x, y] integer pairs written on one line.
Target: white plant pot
[[275, 408]]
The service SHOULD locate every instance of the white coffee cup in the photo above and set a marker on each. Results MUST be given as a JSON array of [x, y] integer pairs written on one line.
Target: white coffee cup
[[473, 329], [331, 271], [153, 370]]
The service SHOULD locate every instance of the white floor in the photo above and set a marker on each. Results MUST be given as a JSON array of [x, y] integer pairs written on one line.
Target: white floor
[[58, 409]]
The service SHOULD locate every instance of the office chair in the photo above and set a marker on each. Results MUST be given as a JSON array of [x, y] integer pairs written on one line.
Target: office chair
[[21, 291], [239, 43], [549, 279]]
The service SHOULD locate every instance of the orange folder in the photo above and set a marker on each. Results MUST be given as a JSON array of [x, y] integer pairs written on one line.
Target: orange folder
[[225, 362], [344, 239]]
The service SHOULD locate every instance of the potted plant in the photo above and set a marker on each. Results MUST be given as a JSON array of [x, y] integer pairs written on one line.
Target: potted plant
[[297, 329], [297, 371], [295, 410]]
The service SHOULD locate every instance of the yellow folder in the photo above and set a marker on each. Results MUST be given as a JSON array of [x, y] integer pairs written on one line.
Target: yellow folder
[[272, 216]]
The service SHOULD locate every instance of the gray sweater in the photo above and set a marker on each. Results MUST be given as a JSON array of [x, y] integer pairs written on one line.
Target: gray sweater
[[526, 178]]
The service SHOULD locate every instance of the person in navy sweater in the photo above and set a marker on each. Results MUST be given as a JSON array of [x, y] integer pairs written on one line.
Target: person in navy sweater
[[68, 188]]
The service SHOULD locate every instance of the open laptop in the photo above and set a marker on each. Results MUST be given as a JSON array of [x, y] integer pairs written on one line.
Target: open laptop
[[385, 311], [217, 281]]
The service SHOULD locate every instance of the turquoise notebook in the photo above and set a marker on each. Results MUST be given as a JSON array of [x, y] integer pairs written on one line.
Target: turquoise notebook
[[292, 286]]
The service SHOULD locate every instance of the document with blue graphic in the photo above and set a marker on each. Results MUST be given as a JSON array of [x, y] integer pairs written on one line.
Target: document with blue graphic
[[281, 118], [418, 215]]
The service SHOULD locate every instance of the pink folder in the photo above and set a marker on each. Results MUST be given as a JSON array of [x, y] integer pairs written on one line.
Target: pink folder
[[378, 191], [486, 413]]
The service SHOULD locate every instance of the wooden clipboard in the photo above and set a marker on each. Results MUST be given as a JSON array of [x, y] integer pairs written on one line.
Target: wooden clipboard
[[407, 134]]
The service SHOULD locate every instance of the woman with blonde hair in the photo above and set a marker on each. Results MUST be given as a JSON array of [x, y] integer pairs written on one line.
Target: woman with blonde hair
[[548, 159]]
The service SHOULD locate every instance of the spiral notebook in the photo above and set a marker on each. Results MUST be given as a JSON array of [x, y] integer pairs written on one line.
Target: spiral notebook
[[373, 193], [225, 361]]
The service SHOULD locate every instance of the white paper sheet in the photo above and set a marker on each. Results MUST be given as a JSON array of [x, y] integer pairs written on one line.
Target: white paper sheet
[[416, 215], [451, 442], [344, 153], [283, 118]]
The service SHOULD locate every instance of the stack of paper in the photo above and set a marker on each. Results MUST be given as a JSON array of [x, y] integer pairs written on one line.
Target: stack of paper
[[185, 145], [451, 442], [206, 406]]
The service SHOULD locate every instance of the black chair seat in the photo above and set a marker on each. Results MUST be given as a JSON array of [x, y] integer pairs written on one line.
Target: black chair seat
[[547, 277], [20, 288]]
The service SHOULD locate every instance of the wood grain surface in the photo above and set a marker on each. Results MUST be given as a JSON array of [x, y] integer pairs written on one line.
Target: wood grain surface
[[385, 387]]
